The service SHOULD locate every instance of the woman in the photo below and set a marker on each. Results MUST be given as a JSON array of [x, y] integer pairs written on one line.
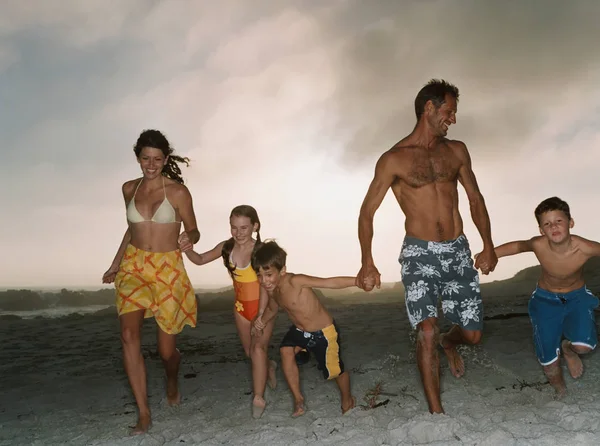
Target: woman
[[148, 269]]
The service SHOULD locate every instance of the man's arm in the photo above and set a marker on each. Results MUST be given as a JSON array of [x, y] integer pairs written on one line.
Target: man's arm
[[487, 259], [304, 281], [379, 186]]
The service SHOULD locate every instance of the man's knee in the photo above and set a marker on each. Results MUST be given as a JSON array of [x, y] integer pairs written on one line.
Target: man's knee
[[428, 333], [472, 337]]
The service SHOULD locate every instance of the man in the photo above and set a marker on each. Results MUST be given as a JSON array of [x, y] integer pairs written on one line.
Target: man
[[422, 171]]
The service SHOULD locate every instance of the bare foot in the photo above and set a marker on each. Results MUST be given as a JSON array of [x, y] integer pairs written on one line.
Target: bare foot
[[272, 378], [144, 423], [560, 393], [572, 359], [350, 406], [298, 409], [455, 361], [258, 406]]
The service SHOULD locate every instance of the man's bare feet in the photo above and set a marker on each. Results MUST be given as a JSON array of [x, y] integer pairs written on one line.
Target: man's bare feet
[[572, 359], [272, 377], [144, 423], [299, 409], [258, 406], [350, 406], [455, 361]]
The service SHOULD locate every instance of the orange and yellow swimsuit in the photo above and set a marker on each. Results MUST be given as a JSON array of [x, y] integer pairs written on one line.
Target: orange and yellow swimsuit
[[247, 292]]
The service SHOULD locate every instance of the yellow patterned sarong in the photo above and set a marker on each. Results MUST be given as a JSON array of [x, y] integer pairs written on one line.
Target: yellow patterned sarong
[[157, 283]]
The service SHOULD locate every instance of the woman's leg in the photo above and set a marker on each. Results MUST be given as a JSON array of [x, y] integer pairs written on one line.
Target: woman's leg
[[131, 330], [171, 358]]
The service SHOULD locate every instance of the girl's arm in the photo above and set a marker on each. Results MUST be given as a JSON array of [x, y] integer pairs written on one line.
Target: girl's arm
[[205, 257]]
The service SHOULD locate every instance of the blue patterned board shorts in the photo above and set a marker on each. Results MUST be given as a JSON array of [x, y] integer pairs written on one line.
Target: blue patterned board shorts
[[431, 269]]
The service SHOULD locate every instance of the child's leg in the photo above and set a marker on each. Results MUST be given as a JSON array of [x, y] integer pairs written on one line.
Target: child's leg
[[571, 353], [579, 329], [348, 401], [244, 327], [262, 368], [547, 314], [292, 376], [555, 377]]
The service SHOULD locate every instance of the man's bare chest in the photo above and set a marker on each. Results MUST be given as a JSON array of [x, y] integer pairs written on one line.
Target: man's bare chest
[[427, 168]]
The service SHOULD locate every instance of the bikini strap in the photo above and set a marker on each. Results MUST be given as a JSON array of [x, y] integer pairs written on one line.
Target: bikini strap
[[137, 187], [164, 188]]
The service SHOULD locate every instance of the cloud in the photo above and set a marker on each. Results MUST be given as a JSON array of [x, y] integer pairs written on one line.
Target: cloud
[[513, 61]]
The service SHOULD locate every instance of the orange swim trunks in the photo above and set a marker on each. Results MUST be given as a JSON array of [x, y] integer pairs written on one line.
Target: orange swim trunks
[[157, 283]]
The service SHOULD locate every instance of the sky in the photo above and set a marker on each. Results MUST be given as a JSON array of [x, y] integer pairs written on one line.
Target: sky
[[285, 106]]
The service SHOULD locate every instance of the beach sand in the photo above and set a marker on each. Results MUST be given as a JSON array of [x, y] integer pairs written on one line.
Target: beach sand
[[62, 382]]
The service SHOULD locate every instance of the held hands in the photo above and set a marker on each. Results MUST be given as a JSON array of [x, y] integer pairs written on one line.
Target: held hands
[[257, 326], [486, 260], [368, 277], [110, 274], [184, 242]]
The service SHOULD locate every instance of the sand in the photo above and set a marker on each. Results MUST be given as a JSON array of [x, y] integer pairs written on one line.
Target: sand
[[62, 382]]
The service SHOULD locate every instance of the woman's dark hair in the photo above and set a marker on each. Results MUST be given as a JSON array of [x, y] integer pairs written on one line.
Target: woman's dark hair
[[243, 210], [156, 140]]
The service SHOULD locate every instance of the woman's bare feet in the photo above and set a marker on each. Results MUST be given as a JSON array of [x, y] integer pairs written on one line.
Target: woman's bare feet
[[258, 406], [572, 359], [272, 377], [455, 361], [144, 423], [299, 409]]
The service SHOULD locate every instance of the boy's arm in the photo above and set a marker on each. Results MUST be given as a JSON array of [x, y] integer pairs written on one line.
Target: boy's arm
[[589, 247], [263, 302], [304, 281], [512, 248], [205, 257], [270, 312]]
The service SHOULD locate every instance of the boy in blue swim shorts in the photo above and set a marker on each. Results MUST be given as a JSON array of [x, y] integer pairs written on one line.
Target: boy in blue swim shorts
[[561, 308]]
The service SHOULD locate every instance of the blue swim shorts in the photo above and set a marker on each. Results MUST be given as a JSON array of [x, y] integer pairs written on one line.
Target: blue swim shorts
[[433, 269], [556, 315]]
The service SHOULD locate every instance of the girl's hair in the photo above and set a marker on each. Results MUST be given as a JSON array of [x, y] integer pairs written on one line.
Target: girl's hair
[[243, 210], [156, 140]]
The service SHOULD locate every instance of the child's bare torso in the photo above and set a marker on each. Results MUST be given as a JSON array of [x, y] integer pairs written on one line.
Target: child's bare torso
[[562, 271], [302, 305]]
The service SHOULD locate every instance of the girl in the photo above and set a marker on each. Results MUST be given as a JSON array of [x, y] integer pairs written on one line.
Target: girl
[[250, 298]]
